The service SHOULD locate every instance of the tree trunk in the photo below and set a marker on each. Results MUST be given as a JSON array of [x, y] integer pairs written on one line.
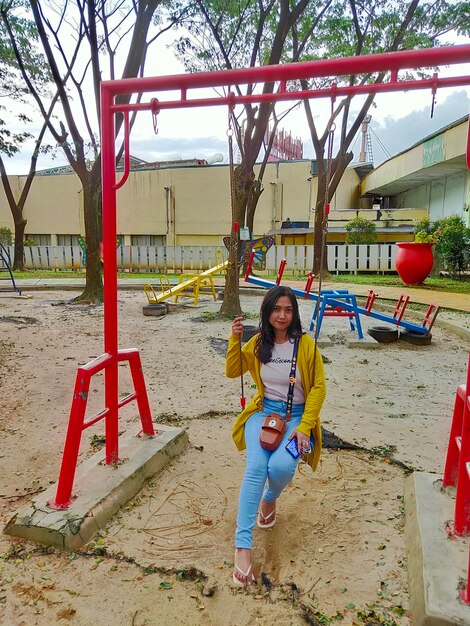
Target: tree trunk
[[18, 259], [93, 292], [337, 168], [242, 182], [319, 235], [319, 241], [231, 305]]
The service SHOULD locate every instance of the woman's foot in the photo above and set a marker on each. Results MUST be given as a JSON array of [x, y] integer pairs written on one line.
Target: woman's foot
[[266, 514], [242, 571]]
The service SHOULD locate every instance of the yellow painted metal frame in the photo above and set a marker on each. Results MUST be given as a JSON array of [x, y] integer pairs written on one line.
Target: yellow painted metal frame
[[195, 281], [200, 282]]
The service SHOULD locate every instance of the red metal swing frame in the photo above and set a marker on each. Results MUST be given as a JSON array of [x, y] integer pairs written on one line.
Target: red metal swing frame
[[182, 84]]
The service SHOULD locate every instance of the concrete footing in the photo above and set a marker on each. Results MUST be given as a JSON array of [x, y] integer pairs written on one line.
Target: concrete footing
[[436, 564], [99, 491]]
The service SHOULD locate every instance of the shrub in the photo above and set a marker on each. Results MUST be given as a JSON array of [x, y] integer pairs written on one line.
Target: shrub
[[423, 237], [29, 242], [6, 236], [360, 231], [453, 244], [425, 226]]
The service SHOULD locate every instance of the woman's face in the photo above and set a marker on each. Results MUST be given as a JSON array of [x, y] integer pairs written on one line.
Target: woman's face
[[282, 314]]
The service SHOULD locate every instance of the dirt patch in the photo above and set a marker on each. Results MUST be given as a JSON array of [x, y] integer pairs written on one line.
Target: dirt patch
[[337, 549]]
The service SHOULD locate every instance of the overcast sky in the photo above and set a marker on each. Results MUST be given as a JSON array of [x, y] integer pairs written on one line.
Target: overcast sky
[[398, 121], [202, 134]]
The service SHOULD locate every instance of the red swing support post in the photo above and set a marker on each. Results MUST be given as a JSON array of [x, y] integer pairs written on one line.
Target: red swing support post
[[390, 63]]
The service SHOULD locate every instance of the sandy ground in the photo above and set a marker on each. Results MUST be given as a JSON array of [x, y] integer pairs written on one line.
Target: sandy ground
[[337, 551]]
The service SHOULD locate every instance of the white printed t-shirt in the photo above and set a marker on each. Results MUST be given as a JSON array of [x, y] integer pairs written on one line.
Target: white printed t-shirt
[[275, 374]]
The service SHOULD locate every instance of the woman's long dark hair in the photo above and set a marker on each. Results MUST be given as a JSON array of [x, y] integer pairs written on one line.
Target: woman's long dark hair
[[265, 338]]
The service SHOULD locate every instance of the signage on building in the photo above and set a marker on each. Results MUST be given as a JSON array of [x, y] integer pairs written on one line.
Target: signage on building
[[433, 151]]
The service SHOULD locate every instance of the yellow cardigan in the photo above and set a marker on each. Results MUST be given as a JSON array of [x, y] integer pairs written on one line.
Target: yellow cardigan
[[313, 384]]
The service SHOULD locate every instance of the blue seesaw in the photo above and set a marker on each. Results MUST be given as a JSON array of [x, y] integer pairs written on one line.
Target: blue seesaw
[[341, 303]]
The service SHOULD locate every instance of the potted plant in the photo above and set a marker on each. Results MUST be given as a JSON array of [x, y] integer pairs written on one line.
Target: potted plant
[[415, 259]]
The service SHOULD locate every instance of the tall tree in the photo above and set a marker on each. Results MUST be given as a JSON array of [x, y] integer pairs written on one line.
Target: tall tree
[[12, 88], [354, 28], [258, 32], [84, 42], [233, 34]]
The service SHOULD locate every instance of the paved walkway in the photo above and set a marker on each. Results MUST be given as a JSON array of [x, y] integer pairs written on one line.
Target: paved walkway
[[453, 301]]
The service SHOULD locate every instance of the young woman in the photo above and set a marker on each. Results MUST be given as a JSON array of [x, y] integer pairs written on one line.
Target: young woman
[[267, 356]]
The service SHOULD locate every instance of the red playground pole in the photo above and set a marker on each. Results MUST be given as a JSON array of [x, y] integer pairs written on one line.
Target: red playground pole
[[116, 100], [280, 271], [308, 284], [250, 265]]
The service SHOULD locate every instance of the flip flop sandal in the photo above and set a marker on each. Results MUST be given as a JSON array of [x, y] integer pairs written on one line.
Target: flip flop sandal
[[262, 521], [248, 576]]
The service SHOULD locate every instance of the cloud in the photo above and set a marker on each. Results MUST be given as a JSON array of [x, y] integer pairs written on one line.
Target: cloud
[[161, 148], [394, 133], [399, 134]]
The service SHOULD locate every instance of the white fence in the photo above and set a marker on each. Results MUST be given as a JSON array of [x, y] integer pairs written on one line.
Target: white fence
[[174, 259]]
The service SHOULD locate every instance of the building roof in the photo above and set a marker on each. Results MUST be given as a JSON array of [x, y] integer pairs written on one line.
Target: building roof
[[403, 172]]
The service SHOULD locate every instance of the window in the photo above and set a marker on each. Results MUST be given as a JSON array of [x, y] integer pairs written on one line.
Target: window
[[147, 240], [67, 240], [39, 240]]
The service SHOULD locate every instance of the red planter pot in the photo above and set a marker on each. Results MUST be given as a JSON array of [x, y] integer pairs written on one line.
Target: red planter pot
[[414, 261]]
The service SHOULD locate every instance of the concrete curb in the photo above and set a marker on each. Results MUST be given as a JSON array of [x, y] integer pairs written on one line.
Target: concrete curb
[[436, 564], [99, 490]]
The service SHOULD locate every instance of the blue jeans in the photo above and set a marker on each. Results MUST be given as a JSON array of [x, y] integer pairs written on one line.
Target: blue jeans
[[266, 473]]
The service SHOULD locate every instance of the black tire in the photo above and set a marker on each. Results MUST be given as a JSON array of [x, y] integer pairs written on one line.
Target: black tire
[[417, 339], [155, 310], [249, 332], [383, 334]]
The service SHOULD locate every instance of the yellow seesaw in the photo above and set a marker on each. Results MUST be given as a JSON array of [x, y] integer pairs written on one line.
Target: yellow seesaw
[[185, 281]]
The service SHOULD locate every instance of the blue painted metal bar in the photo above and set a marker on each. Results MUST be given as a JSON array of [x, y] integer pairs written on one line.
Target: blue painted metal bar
[[388, 318], [362, 311], [346, 301], [5, 265]]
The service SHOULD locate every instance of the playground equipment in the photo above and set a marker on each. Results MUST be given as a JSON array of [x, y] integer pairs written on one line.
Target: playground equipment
[[259, 246], [185, 282], [341, 303], [457, 469], [116, 103], [5, 265]]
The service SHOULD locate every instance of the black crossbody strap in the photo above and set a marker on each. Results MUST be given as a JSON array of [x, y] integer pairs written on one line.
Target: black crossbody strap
[[290, 393]]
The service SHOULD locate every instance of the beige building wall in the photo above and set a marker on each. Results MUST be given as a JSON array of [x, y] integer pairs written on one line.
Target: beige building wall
[[54, 205], [185, 205]]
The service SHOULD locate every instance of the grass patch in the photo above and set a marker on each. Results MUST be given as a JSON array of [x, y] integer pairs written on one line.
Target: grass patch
[[430, 284], [437, 283]]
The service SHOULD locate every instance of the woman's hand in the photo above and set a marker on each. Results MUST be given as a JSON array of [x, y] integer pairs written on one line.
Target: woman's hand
[[303, 442], [237, 327]]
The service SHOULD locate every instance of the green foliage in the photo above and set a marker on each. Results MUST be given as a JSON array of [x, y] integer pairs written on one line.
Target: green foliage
[[424, 237], [360, 231], [423, 225], [453, 244], [30, 242], [6, 236], [452, 239], [11, 84]]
